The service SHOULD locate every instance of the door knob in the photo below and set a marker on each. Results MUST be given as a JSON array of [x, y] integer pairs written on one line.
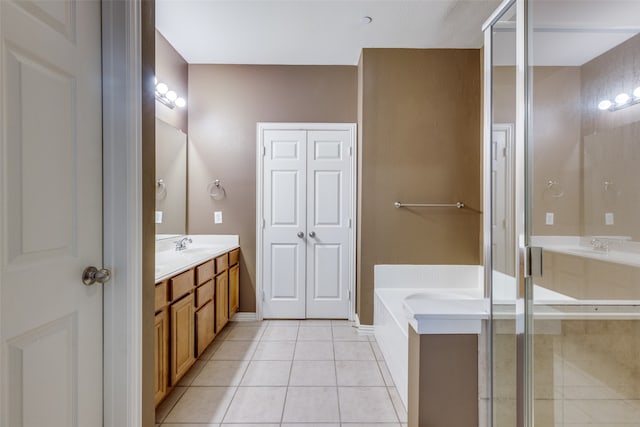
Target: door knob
[[300, 234], [312, 234], [91, 275]]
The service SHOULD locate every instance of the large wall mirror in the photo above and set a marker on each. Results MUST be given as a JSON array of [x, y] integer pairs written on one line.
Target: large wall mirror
[[171, 180]]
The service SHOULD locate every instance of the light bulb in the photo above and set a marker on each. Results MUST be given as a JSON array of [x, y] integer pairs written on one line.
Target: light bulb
[[605, 105], [180, 102], [171, 95], [622, 99], [636, 92], [162, 88]]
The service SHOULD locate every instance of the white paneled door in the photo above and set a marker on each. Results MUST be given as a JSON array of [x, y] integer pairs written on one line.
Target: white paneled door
[[307, 227], [51, 213]]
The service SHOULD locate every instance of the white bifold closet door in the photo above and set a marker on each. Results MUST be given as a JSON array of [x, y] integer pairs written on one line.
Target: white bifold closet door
[[307, 220]]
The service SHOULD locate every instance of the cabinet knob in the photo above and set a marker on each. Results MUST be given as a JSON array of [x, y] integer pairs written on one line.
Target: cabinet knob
[[300, 234], [312, 234]]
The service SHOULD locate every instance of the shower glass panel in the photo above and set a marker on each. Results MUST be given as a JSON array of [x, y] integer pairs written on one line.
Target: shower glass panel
[[502, 225], [583, 209]]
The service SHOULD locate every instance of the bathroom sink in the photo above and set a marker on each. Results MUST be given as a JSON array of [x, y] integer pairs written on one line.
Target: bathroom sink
[[197, 251]]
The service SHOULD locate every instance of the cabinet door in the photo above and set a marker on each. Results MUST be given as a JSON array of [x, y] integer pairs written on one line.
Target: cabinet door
[[204, 327], [182, 337], [161, 356], [234, 289], [222, 300]]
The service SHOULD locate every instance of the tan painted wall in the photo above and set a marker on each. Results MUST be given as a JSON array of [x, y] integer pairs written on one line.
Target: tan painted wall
[[225, 103], [611, 142], [173, 70], [556, 138], [557, 150], [148, 207], [420, 143]]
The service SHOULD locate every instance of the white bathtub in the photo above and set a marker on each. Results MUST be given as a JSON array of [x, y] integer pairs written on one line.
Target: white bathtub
[[395, 283], [449, 298]]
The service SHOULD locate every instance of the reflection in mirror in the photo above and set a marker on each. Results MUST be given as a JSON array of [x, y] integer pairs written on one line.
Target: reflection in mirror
[[585, 207], [171, 180], [503, 113]]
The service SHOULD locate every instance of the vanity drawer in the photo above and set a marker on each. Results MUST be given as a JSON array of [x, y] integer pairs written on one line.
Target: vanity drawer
[[234, 255], [204, 272], [161, 295], [222, 263], [181, 284], [204, 293]]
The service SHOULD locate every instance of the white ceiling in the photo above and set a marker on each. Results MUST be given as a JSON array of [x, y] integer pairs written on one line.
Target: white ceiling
[[319, 32], [331, 32]]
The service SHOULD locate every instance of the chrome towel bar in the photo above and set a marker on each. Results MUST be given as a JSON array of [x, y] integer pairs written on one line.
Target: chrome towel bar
[[458, 205]]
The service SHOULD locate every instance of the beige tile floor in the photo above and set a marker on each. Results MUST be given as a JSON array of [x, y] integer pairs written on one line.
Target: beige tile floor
[[286, 373]]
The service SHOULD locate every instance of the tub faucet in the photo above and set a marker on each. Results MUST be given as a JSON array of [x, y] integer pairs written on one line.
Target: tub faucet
[[182, 243], [600, 244]]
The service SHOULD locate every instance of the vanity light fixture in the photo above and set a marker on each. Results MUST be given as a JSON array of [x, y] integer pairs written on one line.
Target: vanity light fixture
[[622, 100], [169, 97]]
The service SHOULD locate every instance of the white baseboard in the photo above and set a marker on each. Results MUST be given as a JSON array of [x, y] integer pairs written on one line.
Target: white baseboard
[[363, 329], [244, 317]]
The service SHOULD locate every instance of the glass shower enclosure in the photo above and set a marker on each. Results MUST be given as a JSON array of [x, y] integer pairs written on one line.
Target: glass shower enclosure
[[562, 167]]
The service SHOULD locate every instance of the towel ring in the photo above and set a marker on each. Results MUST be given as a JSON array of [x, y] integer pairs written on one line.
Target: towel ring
[[216, 190], [555, 189], [161, 189]]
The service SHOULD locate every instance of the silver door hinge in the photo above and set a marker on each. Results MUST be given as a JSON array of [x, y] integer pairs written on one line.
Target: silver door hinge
[[264, 223], [349, 222], [351, 151], [264, 150], [349, 295], [533, 261], [263, 297]]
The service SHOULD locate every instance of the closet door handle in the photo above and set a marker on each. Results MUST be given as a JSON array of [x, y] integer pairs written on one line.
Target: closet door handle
[[312, 234], [300, 234]]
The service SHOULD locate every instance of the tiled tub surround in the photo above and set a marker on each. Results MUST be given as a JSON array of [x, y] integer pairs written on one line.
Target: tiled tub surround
[[170, 262], [287, 373]]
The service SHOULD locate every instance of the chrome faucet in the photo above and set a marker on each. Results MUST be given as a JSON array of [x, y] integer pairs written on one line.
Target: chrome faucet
[[600, 244], [182, 243]]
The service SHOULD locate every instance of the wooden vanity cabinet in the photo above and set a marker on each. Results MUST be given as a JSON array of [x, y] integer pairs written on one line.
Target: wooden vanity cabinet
[[234, 284], [161, 343], [161, 356], [205, 307], [222, 300], [191, 308], [182, 337]]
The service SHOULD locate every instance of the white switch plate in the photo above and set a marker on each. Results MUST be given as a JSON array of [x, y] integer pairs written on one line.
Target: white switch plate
[[158, 217], [608, 218], [217, 217], [548, 219]]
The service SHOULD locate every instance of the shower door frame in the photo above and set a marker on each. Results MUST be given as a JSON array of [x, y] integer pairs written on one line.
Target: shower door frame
[[523, 320]]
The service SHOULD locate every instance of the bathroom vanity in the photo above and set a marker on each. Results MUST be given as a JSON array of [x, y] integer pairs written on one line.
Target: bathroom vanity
[[196, 293]]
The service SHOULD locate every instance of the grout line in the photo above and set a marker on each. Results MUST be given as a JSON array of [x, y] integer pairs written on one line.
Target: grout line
[[335, 369], [174, 404], [286, 393]]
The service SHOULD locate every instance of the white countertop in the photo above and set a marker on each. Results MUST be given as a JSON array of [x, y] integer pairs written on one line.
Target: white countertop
[[619, 257], [622, 250], [170, 262]]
